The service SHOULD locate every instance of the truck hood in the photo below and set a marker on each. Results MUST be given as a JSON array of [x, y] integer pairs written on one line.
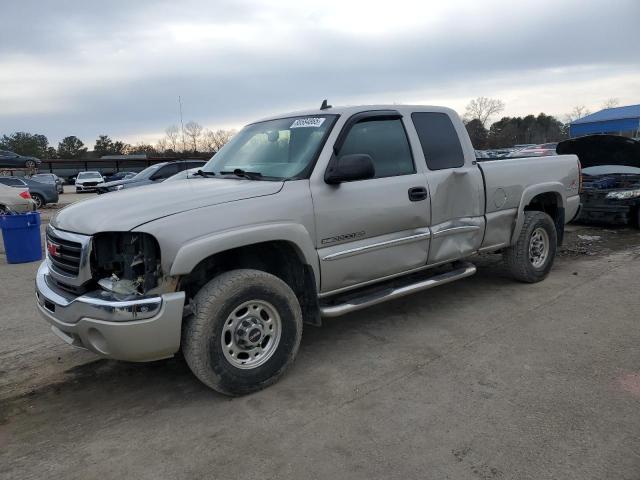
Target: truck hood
[[126, 209]]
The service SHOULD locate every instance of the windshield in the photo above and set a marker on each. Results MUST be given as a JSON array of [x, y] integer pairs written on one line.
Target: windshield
[[276, 149], [147, 172], [88, 175]]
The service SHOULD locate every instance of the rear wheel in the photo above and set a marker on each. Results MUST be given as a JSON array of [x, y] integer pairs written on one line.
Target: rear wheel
[[39, 199], [530, 259], [244, 332], [30, 164]]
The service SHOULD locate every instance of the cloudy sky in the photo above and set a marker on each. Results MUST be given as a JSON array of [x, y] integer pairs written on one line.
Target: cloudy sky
[[117, 67]]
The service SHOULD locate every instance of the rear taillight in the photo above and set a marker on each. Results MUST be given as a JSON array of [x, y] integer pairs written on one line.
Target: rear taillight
[[579, 177], [26, 195]]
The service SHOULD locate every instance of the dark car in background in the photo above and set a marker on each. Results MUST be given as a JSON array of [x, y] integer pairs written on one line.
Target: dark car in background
[[119, 176], [51, 178], [610, 177], [13, 160], [42, 193], [154, 174]]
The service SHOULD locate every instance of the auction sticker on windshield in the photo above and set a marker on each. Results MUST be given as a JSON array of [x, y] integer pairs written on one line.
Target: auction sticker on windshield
[[313, 122]]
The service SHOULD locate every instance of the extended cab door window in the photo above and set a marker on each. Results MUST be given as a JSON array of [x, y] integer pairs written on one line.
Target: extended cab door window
[[439, 140], [385, 141]]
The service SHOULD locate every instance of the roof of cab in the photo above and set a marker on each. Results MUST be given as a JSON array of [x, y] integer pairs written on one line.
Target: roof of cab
[[350, 110]]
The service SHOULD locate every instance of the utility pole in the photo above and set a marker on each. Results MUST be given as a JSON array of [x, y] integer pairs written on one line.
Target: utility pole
[[184, 147]]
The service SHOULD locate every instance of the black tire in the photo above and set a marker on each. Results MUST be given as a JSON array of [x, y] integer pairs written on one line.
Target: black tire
[[517, 258], [214, 305], [30, 164], [39, 199]]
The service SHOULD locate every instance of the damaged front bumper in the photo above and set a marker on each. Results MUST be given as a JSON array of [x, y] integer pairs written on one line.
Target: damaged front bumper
[[132, 328]]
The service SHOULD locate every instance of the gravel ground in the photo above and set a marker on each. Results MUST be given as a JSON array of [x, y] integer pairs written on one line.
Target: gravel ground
[[479, 379]]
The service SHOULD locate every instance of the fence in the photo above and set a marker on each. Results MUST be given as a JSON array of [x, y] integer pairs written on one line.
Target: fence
[[69, 168]]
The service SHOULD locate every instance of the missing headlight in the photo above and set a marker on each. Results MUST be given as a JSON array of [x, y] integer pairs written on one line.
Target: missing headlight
[[126, 262]]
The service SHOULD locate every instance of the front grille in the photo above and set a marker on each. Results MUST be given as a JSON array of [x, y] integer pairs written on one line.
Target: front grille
[[89, 184], [65, 255]]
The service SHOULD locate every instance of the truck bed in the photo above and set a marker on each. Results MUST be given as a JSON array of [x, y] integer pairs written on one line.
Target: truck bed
[[511, 183]]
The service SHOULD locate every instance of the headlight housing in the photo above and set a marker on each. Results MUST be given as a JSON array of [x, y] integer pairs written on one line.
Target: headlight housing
[[117, 187], [623, 194], [126, 262]]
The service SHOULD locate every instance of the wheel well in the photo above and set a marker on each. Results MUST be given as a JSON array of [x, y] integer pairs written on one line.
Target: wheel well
[[551, 204], [279, 258]]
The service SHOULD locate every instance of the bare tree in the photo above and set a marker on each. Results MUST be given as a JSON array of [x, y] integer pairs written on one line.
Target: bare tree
[[483, 108], [611, 103], [161, 145], [173, 135], [193, 130], [214, 140], [578, 111], [221, 137]]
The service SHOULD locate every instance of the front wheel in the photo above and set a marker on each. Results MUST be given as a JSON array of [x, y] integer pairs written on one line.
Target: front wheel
[[530, 259], [30, 164], [244, 332]]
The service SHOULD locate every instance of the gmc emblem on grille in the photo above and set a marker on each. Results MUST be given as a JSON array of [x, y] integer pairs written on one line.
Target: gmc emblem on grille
[[52, 248]]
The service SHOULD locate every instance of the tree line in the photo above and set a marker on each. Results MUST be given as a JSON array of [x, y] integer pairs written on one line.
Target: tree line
[[510, 131], [192, 139]]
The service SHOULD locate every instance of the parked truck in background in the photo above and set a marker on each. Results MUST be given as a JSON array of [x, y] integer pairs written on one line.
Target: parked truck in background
[[299, 217]]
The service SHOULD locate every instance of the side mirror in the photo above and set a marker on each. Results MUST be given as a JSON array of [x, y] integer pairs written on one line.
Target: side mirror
[[348, 168]]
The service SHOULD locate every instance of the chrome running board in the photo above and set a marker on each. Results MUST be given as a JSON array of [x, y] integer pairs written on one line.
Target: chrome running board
[[373, 296]]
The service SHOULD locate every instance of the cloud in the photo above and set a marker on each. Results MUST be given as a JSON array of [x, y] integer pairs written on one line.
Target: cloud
[[86, 68]]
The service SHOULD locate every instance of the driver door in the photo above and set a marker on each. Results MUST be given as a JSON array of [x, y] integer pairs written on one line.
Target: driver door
[[370, 229]]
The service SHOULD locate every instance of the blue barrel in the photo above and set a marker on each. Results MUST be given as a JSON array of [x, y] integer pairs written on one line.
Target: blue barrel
[[21, 235]]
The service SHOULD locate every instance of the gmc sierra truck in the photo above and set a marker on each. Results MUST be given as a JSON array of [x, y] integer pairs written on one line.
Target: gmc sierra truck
[[301, 216]]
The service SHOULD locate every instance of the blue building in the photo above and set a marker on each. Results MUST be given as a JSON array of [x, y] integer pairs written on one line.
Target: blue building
[[618, 121]]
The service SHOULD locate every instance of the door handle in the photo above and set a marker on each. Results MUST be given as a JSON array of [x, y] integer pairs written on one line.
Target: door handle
[[418, 193]]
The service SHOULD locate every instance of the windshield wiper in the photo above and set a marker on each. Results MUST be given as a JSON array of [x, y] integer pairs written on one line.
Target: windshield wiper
[[238, 172], [202, 173]]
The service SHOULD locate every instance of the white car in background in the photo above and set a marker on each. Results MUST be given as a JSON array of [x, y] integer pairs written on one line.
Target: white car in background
[[15, 199], [88, 181]]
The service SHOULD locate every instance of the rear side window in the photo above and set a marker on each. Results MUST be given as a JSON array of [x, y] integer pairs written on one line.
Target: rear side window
[[12, 182], [386, 142], [439, 140]]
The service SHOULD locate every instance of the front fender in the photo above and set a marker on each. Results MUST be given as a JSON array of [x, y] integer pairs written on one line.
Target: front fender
[[528, 194], [193, 252]]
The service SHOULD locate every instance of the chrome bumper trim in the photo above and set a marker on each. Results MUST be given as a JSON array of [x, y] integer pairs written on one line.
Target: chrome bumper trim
[[99, 305], [137, 330]]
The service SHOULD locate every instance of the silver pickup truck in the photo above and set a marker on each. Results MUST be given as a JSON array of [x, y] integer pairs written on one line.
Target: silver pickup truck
[[301, 216]]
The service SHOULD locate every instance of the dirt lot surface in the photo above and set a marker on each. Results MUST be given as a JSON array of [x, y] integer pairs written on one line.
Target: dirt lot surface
[[479, 379]]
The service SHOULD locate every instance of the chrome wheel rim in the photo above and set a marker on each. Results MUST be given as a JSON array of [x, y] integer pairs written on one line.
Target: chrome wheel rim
[[251, 334], [38, 200], [538, 247]]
